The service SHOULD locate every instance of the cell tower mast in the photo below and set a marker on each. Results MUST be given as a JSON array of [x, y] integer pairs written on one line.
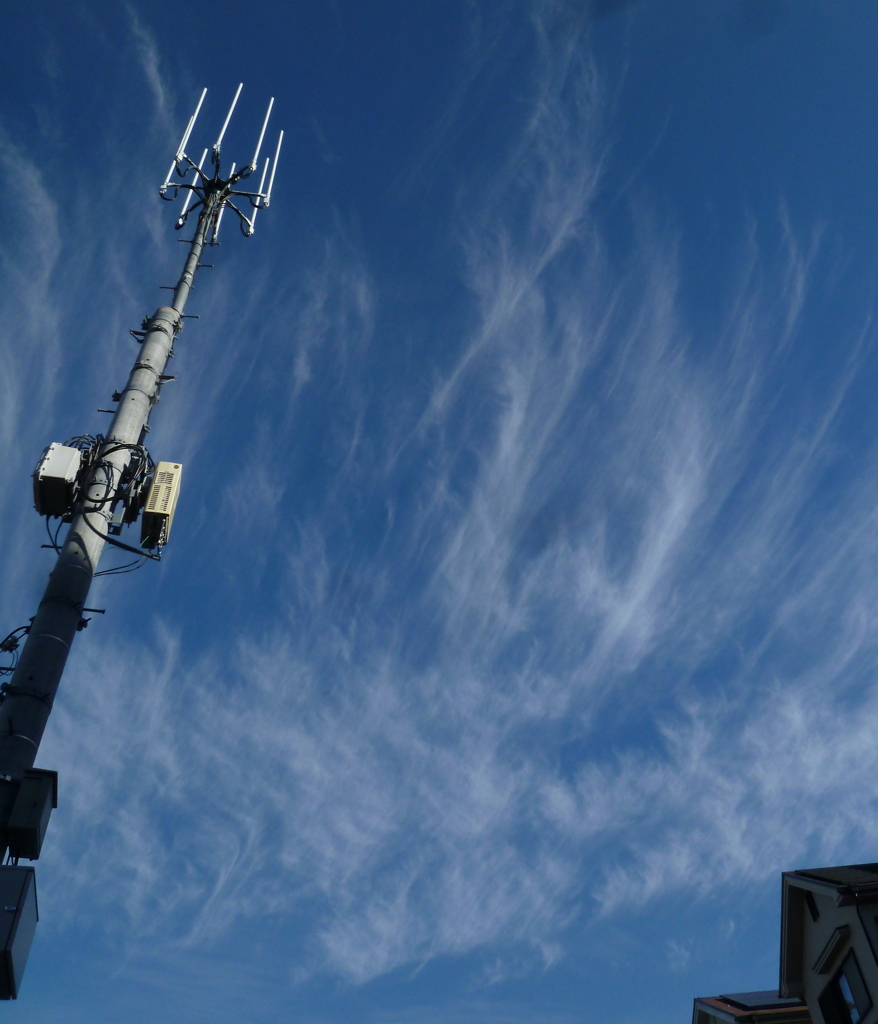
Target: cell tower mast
[[98, 485]]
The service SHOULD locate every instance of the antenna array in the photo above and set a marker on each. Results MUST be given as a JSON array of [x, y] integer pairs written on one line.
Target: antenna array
[[212, 193]]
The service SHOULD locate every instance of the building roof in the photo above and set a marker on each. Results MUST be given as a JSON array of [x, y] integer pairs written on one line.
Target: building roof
[[853, 876], [764, 1007], [763, 1000]]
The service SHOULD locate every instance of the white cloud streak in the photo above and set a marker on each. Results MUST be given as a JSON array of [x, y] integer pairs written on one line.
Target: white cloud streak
[[614, 640], [150, 63]]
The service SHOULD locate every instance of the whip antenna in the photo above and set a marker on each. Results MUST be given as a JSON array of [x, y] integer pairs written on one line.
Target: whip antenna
[[218, 143], [253, 162], [190, 193], [261, 185], [181, 149], [267, 198]]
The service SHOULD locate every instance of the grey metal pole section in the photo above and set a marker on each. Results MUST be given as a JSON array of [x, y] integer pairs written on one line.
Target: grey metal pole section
[[31, 691]]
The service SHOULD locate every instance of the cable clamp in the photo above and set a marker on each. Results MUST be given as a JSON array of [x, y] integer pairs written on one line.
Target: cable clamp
[[158, 325], [7, 690]]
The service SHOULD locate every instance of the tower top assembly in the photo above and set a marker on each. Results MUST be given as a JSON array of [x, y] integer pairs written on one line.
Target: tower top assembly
[[211, 191]]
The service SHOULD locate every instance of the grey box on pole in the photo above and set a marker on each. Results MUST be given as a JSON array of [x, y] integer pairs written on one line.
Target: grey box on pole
[[55, 479], [26, 828], [18, 922]]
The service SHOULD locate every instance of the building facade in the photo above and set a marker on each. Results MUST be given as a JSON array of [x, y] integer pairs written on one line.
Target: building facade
[[828, 958]]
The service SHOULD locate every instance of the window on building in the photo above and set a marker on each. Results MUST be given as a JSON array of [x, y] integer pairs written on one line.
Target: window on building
[[811, 904], [845, 1000]]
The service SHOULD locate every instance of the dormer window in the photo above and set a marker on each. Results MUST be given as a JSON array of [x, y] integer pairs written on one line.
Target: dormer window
[[845, 1000]]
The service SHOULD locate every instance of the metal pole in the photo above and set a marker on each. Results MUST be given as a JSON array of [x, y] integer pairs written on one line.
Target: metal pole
[[111, 486], [32, 688]]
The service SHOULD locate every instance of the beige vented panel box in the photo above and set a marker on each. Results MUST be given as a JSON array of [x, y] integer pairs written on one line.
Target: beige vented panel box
[[158, 513]]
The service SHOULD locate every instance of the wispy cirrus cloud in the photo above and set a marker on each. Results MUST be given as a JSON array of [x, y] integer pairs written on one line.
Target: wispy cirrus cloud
[[596, 591], [149, 59], [31, 343]]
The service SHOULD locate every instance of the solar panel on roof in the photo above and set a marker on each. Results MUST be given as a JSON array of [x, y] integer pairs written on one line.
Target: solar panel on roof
[[851, 874], [764, 1000]]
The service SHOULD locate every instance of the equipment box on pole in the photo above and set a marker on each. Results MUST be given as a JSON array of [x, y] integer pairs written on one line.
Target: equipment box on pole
[[161, 503], [26, 828], [18, 922], [55, 480]]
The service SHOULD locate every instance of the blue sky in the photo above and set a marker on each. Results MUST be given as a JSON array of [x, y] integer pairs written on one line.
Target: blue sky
[[518, 627]]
